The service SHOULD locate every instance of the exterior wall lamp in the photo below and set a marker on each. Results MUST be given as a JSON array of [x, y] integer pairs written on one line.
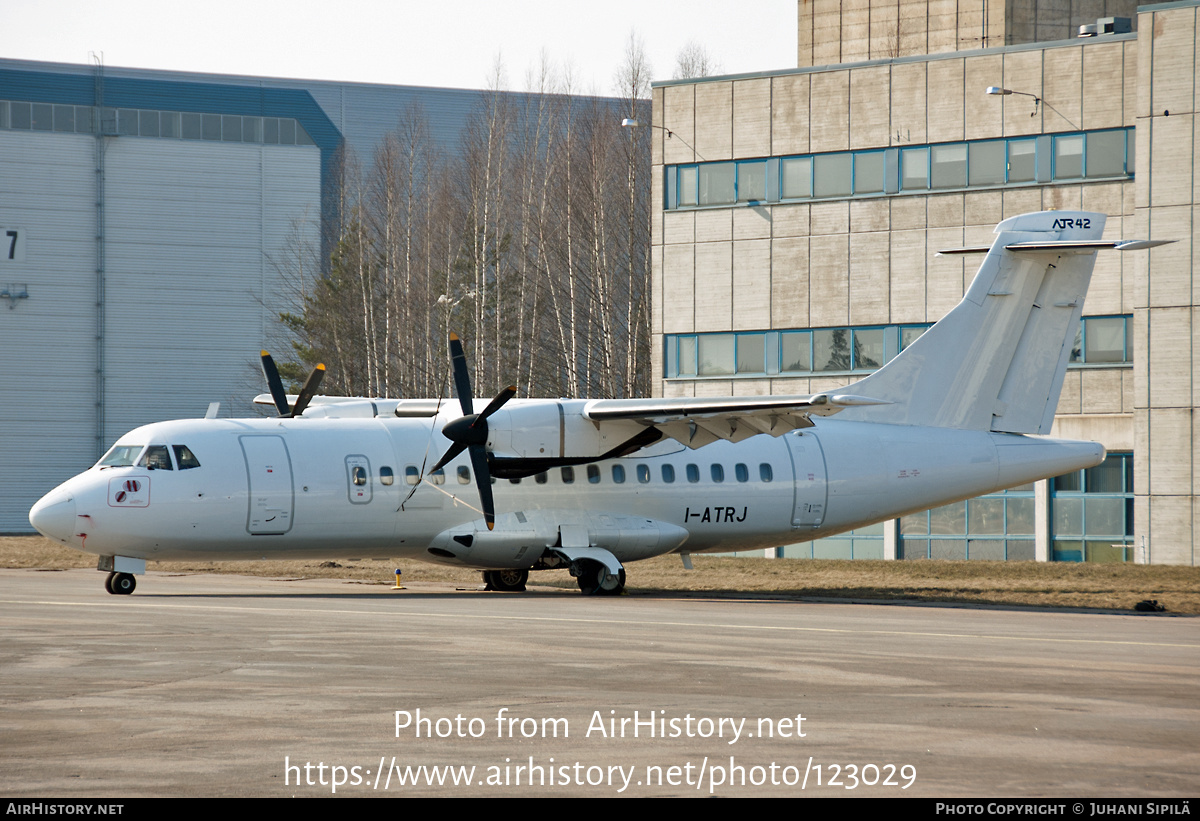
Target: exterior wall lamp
[[1003, 92]]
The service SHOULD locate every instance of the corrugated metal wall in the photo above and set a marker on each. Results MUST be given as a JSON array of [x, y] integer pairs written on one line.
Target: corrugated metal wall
[[48, 340], [192, 292]]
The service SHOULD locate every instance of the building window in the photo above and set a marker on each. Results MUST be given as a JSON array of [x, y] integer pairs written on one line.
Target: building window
[[135, 122], [832, 177], [948, 166], [1068, 157], [1082, 155], [862, 543], [717, 183], [796, 178], [914, 169], [996, 527], [868, 172], [1091, 512], [1104, 341], [752, 181]]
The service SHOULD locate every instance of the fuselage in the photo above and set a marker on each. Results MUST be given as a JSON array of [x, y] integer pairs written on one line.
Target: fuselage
[[312, 487]]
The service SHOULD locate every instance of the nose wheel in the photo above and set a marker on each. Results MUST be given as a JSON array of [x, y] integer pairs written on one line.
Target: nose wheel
[[120, 584], [506, 581]]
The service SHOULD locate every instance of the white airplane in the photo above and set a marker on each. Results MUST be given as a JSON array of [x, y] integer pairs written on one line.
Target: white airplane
[[536, 484]]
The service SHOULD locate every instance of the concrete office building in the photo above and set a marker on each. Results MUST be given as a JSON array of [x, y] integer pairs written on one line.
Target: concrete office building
[[798, 212], [142, 214]]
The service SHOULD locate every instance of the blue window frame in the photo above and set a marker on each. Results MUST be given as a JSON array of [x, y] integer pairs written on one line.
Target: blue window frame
[[1080, 155], [1091, 512], [1102, 341]]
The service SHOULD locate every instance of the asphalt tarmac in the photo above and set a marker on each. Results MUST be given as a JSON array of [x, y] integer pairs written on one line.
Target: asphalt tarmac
[[237, 686]]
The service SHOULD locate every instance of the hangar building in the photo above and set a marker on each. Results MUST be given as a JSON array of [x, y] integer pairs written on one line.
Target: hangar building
[[797, 214], [141, 216]]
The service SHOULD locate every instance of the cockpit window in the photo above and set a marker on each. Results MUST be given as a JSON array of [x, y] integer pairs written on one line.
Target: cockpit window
[[156, 457], [121, 456], [185, 458]]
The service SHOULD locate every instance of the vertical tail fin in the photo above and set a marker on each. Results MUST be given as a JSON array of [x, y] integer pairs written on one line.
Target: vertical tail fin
[[997, 360]]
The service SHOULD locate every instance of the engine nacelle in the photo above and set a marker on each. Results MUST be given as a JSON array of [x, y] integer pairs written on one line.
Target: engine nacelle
[[532, 429]]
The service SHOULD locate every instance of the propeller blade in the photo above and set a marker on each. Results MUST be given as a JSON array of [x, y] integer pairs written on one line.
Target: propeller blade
[[309, 390], [448, 457], [462, 380], [483, 480], [497, 403], [275, 384]]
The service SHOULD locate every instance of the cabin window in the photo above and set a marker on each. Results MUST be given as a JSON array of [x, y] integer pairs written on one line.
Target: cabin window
[[121, 456], [568, 475], [718, 473], [693, 474], [668, 473], [643, 474], [358, 475], [439, 477], [742, 472], [156, 457], [386, 476], [618, 472], [593, 473], [412, 474], [185, 458], [765, 473], [464, 475]]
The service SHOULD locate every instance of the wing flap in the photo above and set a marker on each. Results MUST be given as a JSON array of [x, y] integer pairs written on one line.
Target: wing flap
[[696, 422]]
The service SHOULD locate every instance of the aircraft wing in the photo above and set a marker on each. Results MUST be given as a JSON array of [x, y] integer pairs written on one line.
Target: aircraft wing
[[697, 421]]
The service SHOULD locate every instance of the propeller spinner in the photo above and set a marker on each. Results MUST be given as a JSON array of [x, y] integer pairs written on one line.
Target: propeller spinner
[[470, 431], [280, 395]]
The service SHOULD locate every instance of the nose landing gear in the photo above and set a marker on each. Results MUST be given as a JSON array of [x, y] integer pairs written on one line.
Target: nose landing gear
[[506, 581]]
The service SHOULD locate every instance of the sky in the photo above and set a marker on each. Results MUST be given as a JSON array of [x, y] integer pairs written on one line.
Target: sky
[[456, 43]]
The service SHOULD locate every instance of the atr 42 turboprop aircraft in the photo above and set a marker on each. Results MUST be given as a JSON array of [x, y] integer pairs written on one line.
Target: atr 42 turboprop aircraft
[[536, 484]]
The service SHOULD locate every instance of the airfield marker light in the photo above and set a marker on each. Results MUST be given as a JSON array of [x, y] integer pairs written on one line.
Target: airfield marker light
[[398, 585]]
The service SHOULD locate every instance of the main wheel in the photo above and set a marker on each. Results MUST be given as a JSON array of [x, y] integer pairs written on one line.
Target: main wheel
[[122, 584], [506, 581], [595, 580], [108, 583]]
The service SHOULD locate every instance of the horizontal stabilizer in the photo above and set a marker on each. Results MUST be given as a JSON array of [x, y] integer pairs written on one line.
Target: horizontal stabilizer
[[1075, 246]]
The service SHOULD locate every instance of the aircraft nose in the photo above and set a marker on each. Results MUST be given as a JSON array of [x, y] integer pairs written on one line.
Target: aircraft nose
[[54, 516]]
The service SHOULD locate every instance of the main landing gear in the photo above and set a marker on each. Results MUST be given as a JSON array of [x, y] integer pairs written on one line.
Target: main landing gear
[[120, 584], [595, 580], [506, 581]]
